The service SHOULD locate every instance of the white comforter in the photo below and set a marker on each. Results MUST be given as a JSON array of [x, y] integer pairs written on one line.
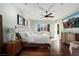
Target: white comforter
[[35, 38]]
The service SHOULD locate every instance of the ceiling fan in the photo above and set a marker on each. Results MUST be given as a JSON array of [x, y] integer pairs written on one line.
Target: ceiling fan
[[47, 15]]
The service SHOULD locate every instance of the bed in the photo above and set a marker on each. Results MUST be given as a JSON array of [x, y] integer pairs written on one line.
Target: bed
[[34, 40]]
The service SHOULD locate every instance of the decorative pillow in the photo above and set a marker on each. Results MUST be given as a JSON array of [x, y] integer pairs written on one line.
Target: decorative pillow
[[23, 34], [28, 33]]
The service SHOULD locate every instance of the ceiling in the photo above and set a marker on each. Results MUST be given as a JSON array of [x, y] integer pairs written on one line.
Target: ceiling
[[58, 9]]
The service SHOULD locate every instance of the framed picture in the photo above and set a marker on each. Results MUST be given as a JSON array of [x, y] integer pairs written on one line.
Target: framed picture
[[71, 21], [20, 20]]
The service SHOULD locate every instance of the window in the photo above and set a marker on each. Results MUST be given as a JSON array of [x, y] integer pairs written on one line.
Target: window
[[43, 27]]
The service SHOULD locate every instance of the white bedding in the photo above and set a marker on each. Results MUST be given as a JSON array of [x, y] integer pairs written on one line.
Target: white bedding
[[35, 38]]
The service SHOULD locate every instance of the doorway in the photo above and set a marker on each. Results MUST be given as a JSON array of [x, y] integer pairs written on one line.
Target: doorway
[[1, 35], [57, 28], [56, 35]]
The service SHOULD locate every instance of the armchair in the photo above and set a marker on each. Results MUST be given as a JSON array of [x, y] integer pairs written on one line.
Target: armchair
[[74, 48]]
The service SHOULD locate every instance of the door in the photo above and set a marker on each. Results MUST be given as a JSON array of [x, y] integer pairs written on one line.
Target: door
[[57, 28], [1, 35]]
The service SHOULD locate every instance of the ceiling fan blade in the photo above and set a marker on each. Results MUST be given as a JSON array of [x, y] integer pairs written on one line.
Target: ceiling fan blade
[[49, 14]]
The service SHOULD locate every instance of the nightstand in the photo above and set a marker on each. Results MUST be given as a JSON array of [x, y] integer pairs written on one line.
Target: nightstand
[[13, 47]]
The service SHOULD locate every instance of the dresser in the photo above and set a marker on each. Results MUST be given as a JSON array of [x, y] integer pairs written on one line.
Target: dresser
[[13, 47], [68, 37]]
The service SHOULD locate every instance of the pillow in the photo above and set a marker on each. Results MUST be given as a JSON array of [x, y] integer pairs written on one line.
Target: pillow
[[31, 32], [28, 33], [23, 34]]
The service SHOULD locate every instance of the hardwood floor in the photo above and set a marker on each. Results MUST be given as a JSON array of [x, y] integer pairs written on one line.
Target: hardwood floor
[[57, 49], [35, 52]]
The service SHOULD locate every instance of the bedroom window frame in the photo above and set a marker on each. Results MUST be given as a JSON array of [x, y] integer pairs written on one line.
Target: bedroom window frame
[[43, 27]]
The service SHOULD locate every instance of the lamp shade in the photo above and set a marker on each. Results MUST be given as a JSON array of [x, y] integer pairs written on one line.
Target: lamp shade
[[11, 34], [11, 30]]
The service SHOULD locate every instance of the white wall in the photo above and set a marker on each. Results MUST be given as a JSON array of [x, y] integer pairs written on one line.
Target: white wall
[[9, 14], [62, 29], [73, 30], [51, 22]]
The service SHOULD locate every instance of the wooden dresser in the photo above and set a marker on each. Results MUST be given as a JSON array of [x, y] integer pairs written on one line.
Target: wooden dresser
[[13, 47], [68, 37]]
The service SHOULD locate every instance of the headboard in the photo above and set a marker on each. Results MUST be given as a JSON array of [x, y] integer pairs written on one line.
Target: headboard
[[18, 36]]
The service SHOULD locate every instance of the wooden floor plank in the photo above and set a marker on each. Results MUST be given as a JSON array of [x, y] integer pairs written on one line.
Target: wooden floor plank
[[56, 49]]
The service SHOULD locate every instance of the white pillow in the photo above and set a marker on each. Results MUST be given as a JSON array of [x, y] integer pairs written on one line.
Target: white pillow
[[23, 34], [28, 33]]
